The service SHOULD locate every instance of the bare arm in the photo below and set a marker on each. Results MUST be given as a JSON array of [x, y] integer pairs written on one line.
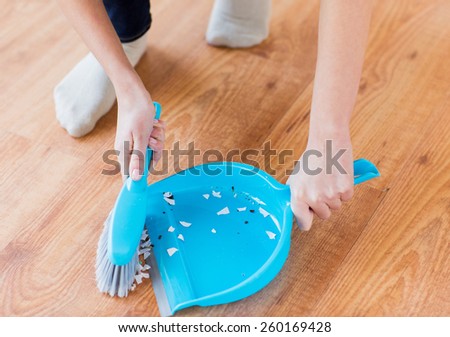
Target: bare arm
[[343, 30], [136, 111]]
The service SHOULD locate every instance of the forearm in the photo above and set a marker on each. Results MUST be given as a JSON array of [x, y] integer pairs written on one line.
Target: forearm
[[343, 30], [90, 20]]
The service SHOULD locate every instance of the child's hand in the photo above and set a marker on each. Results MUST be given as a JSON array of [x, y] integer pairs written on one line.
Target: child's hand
[[321, 193], [137, 129]]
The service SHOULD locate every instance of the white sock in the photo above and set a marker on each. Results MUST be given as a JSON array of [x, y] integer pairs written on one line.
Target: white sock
[[86, 94], [239, 23]]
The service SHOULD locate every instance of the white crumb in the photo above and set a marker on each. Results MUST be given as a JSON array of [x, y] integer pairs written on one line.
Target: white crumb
[[271, 235], [223, 211], [259, 201], [144, 250], [171, 202], [263, 212], [145, 244], [138, 278], [171, 251], [185, 224], [275, 221], [144, 235]]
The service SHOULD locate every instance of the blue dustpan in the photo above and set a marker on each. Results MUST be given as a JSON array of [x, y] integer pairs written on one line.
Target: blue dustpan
[[220, 231]]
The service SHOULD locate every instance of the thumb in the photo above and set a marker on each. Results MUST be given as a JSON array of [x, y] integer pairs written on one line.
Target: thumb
[[137, 160], [303, 215]]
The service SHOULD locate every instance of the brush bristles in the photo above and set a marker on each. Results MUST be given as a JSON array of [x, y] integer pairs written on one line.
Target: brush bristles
[[112, 279]]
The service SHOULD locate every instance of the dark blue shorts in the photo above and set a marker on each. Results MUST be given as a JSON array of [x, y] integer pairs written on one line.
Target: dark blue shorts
[[131, 18]]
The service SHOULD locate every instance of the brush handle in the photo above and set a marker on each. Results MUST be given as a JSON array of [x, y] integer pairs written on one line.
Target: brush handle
[[141, 185], [149, 156]]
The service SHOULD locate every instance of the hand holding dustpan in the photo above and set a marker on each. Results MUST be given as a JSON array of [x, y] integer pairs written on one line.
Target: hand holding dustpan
[[220, 231]]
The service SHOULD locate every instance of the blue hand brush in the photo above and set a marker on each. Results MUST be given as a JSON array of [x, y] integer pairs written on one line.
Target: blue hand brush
[[117, 253]]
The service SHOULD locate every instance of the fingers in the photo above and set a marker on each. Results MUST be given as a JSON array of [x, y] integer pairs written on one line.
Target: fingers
[[157, 155], [137, 159], [133, 149], [304, 207], [124, 145], [347, 194], [320, 208], [156, 140], [159, 128], [156, 144], [303, 215], [334, 204]]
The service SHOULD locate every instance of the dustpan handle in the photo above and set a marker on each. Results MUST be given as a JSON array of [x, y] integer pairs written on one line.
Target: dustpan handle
[[364, 170]]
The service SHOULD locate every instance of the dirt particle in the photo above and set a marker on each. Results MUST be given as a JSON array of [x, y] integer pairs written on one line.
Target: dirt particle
[[423, 159], [413, 55], [271, 85]]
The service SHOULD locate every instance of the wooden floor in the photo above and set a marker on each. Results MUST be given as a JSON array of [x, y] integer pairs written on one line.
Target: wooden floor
[[386, 253]]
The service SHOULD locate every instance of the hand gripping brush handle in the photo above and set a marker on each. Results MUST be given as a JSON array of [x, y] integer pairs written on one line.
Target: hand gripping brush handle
[[128, 216]]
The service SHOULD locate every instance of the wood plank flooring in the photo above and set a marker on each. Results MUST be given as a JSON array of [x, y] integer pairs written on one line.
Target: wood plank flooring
[[386, 253]]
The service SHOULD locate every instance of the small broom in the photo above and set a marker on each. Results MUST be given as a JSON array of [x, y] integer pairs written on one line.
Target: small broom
[[123, 234]]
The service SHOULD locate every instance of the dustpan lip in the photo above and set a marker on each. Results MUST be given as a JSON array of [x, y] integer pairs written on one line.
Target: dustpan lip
[[275, 184], [247, 167]]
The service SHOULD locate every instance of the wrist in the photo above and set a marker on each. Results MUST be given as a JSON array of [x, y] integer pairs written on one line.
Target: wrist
[[127, 83], [321, 131]]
